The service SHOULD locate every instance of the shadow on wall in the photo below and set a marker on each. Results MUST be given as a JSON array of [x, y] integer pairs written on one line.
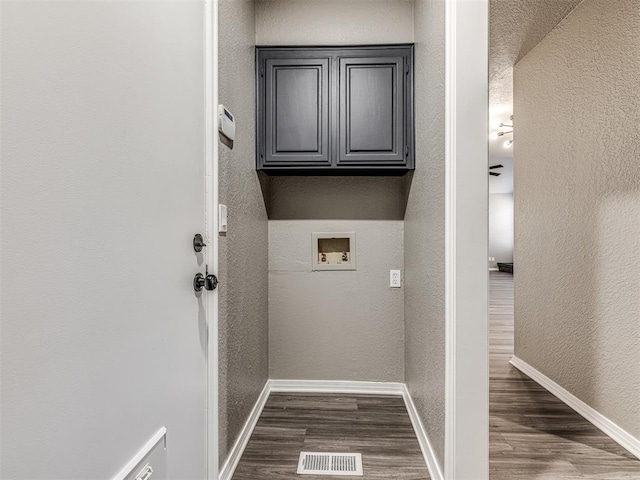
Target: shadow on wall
[[335, 198]]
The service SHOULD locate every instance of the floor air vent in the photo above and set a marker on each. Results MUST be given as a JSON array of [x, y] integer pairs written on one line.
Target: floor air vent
[[335, 464]]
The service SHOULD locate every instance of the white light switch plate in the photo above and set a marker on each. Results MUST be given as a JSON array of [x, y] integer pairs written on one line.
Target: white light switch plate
[[395, 278], [222, 218]]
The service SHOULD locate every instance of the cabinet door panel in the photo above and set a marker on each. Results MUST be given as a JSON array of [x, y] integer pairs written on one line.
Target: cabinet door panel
[[297, 112], [372, 111]]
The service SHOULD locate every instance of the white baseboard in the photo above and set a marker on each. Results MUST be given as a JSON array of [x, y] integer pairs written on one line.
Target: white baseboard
[[226, 472], [332, 386], [435, 469], [494, 269], [618, 434], [336, 386]]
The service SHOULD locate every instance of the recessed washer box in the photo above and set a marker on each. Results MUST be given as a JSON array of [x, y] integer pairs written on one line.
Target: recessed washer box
[[333, 251]]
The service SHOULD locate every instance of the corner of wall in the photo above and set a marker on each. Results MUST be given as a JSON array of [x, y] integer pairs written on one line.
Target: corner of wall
[[243, 251]]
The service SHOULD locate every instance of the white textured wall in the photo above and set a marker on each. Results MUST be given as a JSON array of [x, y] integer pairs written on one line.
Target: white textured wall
[[577, 204], [243, 317], [333, 22], [424, 230], [501, 227], [103, 338]]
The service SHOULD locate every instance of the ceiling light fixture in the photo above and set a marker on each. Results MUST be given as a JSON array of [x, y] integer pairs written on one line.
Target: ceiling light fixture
[[495, 134]]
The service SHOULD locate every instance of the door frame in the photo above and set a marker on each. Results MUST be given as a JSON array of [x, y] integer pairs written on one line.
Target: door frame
[[466, 230], [211, 230]]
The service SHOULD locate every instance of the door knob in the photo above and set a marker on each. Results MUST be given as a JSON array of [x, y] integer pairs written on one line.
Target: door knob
[[198, 282], [208, 281]]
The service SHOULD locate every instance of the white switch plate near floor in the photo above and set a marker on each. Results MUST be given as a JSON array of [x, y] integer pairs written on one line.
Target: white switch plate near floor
[[395, 279]]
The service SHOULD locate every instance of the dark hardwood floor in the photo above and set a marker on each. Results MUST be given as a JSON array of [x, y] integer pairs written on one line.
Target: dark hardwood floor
[[376, 426], [533, 435]]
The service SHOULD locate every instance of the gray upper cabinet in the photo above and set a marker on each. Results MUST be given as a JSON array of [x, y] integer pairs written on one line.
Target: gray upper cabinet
[[296, 112], [372, 120], [342, 110]]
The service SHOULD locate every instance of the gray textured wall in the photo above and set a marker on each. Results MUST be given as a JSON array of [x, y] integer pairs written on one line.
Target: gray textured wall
[[333, 22], [358, 320], [244, 251], [577, 203], [425, 230], [335, 325]]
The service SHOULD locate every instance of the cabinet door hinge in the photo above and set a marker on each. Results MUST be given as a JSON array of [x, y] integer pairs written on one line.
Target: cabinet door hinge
[[406, 150], [406, 67]]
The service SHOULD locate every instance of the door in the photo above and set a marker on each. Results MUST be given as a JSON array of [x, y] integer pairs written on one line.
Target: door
[[104, 340], [296, 112], [372, 110]]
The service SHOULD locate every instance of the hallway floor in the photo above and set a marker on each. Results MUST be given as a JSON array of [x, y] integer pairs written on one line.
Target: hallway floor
[[533, 435], [376, 426]]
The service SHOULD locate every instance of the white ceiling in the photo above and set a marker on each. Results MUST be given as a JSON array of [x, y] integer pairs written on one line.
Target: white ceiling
[[515, 27]]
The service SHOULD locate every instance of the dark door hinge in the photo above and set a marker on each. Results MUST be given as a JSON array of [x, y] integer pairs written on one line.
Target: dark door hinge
[[406, 150]]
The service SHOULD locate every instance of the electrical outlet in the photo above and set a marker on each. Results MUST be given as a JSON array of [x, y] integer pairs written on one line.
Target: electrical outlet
[[395, 278], [492, 259]]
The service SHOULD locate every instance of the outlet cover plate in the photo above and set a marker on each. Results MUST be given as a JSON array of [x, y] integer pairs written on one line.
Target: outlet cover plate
[[395, 279]]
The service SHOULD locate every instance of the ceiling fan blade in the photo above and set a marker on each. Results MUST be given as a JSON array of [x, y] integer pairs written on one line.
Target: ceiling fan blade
[[496, 166], [494, 174]]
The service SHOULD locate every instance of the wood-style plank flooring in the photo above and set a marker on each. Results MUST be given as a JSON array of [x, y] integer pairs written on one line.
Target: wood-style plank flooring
[[533, 435], [376, 426]]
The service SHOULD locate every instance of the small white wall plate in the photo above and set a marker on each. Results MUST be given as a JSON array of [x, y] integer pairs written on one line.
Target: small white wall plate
[[226, 122]]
